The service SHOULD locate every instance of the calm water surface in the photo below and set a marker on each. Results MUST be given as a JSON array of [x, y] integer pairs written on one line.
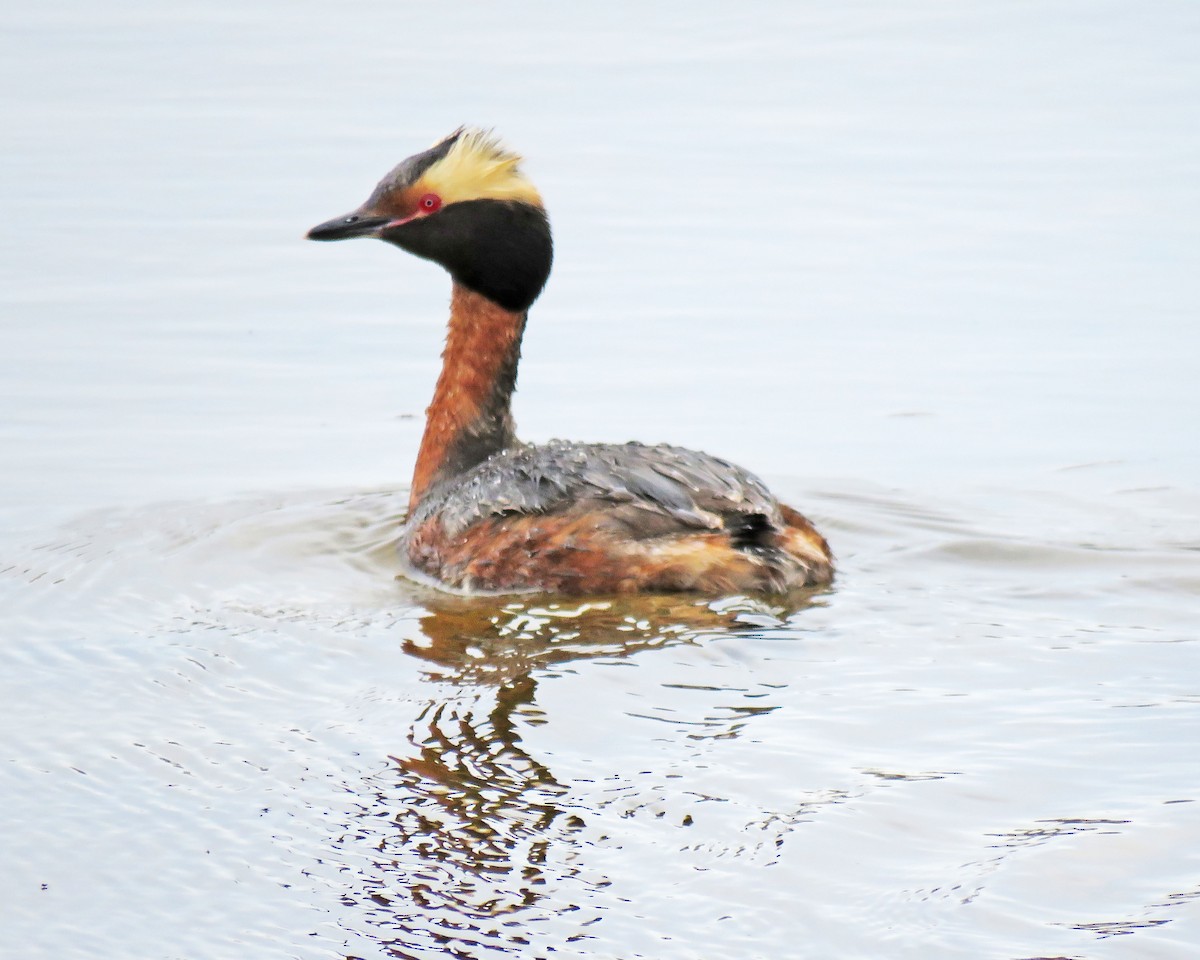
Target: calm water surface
[[930, 271]]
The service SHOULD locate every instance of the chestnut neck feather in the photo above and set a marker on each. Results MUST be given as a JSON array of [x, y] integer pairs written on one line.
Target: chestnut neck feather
[[470, 417]]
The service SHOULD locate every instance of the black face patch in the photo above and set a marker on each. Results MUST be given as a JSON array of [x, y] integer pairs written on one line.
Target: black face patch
[[499, 248]]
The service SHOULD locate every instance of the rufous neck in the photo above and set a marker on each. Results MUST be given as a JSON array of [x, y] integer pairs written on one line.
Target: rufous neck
[[470, 417]]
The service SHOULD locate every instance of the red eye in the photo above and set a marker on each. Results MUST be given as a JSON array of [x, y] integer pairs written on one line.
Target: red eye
[[430, 203]]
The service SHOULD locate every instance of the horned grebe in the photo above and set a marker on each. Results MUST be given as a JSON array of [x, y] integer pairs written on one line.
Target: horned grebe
[[488, 513]]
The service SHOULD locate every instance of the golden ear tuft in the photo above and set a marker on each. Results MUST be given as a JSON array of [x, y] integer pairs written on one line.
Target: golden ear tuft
[[479, 167]]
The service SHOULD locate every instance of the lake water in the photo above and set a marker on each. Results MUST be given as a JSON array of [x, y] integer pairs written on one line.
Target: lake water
[[931, 270]]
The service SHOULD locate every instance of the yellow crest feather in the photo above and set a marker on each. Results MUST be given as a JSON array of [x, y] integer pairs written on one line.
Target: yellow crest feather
[[479, 167]]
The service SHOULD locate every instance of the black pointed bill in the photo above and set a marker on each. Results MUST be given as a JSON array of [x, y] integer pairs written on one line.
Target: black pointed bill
[[345, 228]]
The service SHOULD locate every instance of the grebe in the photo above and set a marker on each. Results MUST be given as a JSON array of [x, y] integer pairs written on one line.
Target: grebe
[[488, 513]]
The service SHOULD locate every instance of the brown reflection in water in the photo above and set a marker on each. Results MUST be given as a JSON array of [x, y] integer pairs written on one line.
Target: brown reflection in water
[[466, 840], [454, 837], [490, 643]]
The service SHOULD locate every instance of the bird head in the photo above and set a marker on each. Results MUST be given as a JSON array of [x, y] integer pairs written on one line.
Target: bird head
[[463, 203]]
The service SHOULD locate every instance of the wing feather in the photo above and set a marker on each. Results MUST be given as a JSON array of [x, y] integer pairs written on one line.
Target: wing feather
[[693, 490]]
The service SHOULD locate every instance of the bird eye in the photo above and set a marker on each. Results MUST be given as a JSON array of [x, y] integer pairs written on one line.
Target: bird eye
[[351, 219], [430, 203]]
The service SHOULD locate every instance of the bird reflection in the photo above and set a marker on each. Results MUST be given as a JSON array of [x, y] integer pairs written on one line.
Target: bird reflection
[[469, 840], [472, 641], [461, 826]]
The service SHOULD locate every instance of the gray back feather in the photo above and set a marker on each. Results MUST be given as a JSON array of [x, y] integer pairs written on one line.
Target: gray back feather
[[659, 488]]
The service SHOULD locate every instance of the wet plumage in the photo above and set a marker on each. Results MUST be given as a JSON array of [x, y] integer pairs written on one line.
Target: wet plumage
[[577, 517], [488, 513], [667, 486]]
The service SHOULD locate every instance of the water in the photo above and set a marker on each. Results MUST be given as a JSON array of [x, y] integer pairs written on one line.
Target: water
[[930, 271]]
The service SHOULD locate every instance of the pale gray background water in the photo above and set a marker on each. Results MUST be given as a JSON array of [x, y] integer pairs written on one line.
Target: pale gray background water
[[929, 268]]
